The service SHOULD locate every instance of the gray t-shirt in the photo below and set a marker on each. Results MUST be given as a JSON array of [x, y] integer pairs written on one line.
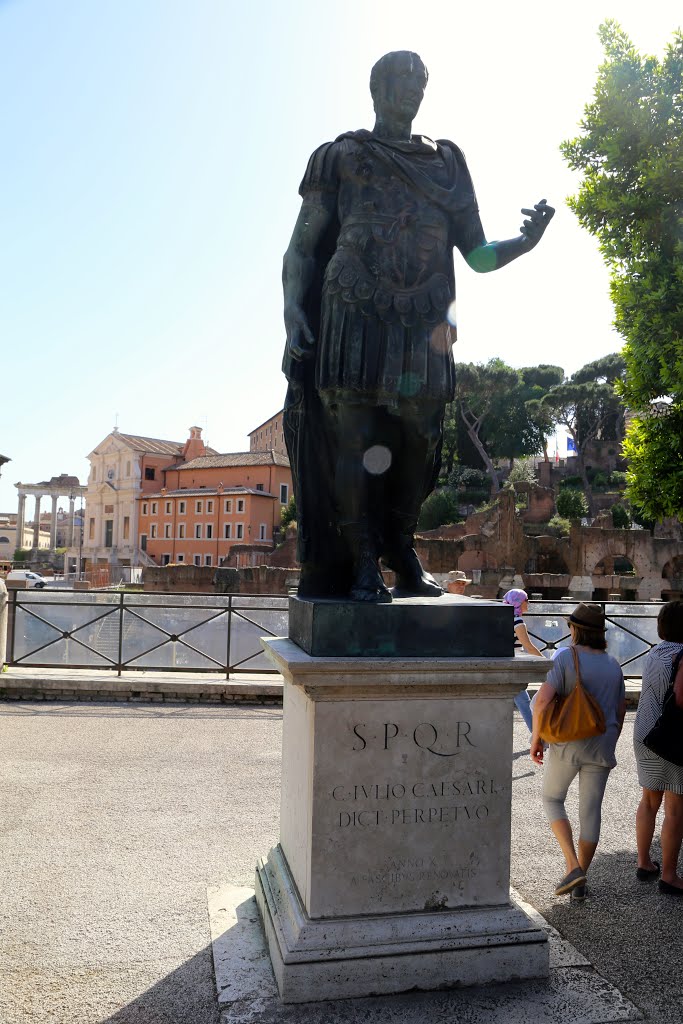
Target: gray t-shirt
[[602, 677]]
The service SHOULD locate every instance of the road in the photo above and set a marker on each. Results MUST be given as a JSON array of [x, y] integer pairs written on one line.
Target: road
[[116, 818]]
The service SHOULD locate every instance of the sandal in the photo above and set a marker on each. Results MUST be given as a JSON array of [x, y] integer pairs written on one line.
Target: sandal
[[647, 874], [670, 890], [570, 881]]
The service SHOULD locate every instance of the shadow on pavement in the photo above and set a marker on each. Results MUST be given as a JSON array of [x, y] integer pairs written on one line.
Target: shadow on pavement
[[630, 931], [185, 996]]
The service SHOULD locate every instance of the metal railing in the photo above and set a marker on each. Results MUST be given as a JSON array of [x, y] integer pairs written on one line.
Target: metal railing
[[210, 633], [146, 632], [631, 629]]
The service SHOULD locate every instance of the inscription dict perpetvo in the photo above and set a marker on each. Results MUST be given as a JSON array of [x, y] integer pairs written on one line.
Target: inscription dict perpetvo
[[451, 813]]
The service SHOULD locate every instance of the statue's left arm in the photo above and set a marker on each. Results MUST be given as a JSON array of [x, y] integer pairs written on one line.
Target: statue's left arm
[[494, 255]]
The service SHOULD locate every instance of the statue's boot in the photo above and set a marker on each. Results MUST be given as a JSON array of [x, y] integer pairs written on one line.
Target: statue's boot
[[368, 584], [400, 556]]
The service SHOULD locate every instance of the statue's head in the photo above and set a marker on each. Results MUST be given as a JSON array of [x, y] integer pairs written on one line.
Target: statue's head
[[397, 84]]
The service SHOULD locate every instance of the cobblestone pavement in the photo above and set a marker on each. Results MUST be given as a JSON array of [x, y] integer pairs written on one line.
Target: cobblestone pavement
[[115, 818]]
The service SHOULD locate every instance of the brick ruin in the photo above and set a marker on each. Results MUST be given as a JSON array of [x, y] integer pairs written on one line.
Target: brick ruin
[[499, 547], [594, 562]]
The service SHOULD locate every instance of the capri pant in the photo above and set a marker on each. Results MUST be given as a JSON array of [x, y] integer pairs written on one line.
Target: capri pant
[[557, 778]]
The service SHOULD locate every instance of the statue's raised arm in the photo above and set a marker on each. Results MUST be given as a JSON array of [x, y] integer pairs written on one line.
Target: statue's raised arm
[[495, 255]]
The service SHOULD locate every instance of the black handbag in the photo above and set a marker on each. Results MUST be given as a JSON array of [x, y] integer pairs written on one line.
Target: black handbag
[[665, 738]]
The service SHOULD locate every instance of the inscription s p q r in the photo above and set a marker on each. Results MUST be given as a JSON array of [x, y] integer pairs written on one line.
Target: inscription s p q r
[[425, 736]]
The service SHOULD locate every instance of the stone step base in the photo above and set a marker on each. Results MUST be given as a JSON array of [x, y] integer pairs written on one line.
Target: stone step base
[[57, 684], [341, 958], [145, 687]]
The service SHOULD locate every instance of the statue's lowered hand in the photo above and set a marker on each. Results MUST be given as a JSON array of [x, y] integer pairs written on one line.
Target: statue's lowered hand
[[537, 221], [300, 340]]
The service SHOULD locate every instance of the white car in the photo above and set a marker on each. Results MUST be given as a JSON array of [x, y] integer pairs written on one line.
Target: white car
[[33, 579]]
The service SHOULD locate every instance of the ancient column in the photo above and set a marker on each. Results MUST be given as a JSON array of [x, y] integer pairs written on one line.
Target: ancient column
[[36, 523], [71, 521], [21, 520], [53, 523]]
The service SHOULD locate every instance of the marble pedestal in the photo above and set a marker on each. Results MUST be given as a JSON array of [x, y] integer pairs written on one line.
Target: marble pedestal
[[392, 871]]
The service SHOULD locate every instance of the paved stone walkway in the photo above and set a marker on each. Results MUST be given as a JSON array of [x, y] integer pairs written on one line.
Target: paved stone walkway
[[115, 819]]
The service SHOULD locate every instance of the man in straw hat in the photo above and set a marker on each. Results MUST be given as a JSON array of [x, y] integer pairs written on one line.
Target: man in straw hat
[[456, 582]]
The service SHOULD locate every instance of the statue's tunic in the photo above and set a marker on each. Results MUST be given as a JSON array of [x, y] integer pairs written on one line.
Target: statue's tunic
[[384, 331]]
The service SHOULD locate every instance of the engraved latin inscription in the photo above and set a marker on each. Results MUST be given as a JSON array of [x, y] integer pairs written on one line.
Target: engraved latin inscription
[[425, 735], [449, 802], [415, 801], [452, 801]]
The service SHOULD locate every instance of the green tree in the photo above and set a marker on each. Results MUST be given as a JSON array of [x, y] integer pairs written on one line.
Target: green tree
[[449, 449], [492, 401], [288, 513], [571, 504], [588, 406], [630, 152], [621, 520], [482, 392], [655, 461], [523, 471], [536, 382], [559, 527], [439, 508]]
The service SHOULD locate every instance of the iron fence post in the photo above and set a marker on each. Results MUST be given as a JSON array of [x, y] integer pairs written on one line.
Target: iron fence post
[[120, 656], [10, 652], [229, 638], [4, 616]]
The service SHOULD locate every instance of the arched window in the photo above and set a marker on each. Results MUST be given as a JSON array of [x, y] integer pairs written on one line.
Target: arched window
[[615, 565]]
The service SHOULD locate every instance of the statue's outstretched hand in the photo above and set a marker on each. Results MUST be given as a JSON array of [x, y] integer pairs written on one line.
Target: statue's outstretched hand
[[300, 340], [537, 221]]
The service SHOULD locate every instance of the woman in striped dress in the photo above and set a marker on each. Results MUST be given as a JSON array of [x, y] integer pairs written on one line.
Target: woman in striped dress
[[659, 778]]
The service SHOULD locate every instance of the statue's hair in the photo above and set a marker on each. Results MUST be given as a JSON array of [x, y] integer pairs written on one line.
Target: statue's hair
[[383, 64]]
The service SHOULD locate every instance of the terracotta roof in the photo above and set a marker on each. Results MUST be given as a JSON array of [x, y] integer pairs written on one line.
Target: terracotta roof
[[153, 445], [156, 445], [269, 458]]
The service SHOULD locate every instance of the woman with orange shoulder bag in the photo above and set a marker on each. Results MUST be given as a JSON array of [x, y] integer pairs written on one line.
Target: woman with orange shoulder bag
[[579, 712]]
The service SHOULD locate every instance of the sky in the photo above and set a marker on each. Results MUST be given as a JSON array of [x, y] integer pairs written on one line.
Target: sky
[[152, 153]]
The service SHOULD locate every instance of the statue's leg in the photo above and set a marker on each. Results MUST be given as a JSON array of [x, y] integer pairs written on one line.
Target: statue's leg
[[410, 480], [355, 426]]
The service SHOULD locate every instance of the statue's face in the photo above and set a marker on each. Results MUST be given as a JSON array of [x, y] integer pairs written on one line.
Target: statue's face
[[401, 88]]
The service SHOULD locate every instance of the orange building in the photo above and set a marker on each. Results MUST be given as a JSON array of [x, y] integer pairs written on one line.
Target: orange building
[[210, 503]]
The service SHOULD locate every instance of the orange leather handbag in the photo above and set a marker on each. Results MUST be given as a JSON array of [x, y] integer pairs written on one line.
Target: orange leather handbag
[[574, 717]]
